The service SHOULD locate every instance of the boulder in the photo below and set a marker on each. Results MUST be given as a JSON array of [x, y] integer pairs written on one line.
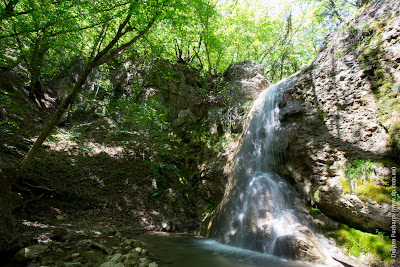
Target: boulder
[[298, 248], [245, 80], [29, 253]]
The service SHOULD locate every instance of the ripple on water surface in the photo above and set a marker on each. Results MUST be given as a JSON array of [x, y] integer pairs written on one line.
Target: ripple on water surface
[[183, 251]]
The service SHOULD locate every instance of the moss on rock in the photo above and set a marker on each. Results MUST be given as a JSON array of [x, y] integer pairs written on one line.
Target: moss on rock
[[375, 247]]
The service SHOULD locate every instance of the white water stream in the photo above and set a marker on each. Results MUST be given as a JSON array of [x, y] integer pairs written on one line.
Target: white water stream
[[260, 206]]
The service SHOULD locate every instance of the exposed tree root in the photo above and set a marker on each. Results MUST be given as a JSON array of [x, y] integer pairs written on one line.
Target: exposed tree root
[[28, 194]]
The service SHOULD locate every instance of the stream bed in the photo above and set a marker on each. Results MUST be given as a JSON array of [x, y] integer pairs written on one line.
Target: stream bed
[[182, 251]]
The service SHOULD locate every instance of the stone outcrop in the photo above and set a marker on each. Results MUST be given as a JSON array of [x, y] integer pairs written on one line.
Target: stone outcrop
[[303, 246], [334, 112], [246, 80], [95, 252], [189, 101], [213, 109]]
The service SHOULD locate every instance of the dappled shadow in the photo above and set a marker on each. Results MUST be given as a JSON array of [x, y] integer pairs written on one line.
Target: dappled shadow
[[337, 122], [91, 177]]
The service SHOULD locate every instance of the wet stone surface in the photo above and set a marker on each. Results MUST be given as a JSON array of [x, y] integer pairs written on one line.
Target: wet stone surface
[[86, 249]]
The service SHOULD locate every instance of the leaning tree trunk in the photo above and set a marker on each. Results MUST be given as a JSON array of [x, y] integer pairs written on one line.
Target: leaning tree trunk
[[102, 57], [56, 117]]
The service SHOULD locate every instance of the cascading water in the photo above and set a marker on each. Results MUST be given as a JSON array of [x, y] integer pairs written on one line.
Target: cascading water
[[259, 206]]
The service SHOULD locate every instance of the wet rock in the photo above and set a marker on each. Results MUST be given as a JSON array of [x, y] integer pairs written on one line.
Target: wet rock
[[101, 247], [298, 248], [153, 264], [143, 262], [144, 252], [131, 259], [72, 264], [29, 253], [324, 223], [247, 80], [107, 264], [116, 258]]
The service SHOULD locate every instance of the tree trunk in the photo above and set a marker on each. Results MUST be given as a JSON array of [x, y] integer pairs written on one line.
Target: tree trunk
[[102, 57], [56, 117]]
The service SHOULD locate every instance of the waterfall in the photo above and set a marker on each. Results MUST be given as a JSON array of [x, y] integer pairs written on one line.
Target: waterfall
[[259, 206]]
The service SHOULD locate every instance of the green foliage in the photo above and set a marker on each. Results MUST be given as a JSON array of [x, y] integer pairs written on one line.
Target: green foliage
[[8, 125], [120, 135], [320, 112], [210, 208], [345, 185], [7, 103], [138, 116], [358, 172], [357, 242], [379, 193], [65, 134], [358, 179], [314, 211], [119, 172]]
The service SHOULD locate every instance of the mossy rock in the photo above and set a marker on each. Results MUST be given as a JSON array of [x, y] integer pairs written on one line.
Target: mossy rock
[[357, 242]]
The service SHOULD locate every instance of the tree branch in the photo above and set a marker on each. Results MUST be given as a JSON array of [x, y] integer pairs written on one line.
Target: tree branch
[[102, 57]]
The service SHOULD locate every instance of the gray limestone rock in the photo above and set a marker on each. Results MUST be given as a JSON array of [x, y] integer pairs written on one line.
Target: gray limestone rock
[[329, 111]]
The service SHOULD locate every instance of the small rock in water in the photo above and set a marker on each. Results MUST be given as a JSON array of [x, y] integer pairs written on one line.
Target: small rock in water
[[60, 218], [72, 264], [138, 250], [75, 255], [153, 264], [130, 260], [107, 264], [100, 246], [145, 251], [131, 256], [143, 262], [117, 258]]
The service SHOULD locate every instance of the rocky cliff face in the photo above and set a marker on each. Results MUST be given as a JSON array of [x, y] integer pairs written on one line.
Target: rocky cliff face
[[343, 107], [215, 111]]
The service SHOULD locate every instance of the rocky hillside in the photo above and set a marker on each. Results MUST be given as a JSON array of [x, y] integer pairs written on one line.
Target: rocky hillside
[[341, 115], [105, 168]]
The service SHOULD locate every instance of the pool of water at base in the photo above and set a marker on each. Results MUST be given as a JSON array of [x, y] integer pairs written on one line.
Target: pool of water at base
[[184, 251]]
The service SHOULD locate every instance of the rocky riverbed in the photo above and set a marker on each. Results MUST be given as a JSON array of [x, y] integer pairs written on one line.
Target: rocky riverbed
[[64, 248]]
